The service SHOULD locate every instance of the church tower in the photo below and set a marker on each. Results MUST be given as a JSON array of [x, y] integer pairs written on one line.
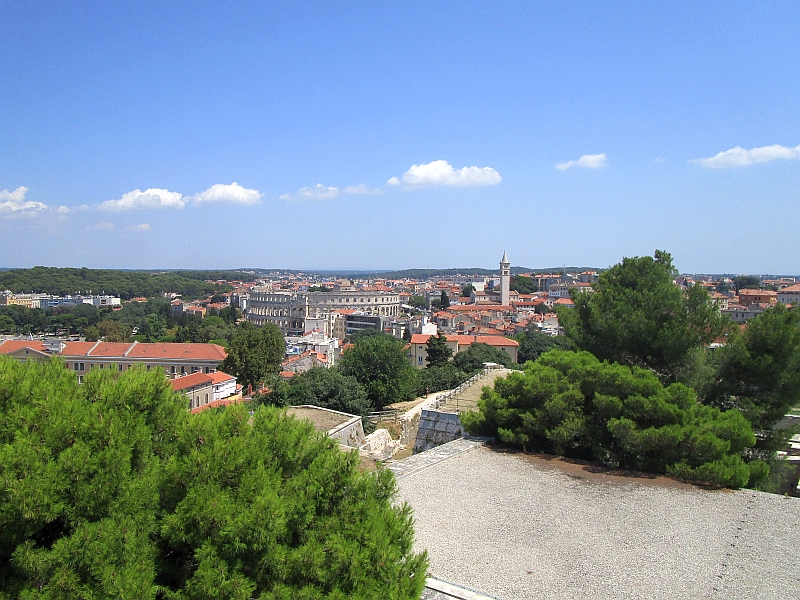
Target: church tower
[[505, 280]]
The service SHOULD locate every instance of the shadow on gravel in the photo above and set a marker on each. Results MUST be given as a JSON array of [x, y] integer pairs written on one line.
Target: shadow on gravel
[[591, 472]]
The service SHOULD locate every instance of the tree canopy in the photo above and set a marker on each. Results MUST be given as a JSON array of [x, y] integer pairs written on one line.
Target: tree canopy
[[758, 369], [254, 352], [747, 282], [328, 388], [571, 404], [533, 343], [471, 360], [417, 302], [638, 316], [444, 301], [113, 490], [380, 364], [523, 285], [437, 350], [125, 284]]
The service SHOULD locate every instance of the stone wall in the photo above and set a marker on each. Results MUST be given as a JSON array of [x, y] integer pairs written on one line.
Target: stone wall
[[436, 428], [350, 434]]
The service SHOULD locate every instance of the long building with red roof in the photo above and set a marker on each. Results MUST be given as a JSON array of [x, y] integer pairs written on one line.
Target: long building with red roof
[[175, 359], [458, 343]]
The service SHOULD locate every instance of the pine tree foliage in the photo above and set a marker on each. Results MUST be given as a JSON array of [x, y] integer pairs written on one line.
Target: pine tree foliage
[[571, 404], [637, 316], [437, 350], [112, 489]]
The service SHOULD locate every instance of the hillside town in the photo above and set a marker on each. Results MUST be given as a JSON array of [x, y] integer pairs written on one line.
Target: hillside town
[[318, 314]]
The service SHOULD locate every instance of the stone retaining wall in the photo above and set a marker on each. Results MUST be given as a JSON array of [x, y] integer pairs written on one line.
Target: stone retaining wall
[[436, 428]]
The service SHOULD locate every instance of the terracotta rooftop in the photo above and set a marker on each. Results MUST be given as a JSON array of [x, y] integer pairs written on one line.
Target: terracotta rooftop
[[9, 346], [78, 348], [178, 351], [190, 381], [466, 340], [219, 377], [102, 349]]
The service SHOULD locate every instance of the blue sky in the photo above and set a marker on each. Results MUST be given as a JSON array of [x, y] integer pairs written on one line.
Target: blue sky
[[398, 135]]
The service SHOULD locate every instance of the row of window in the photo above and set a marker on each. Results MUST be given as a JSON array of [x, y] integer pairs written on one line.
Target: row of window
[[173, 370]]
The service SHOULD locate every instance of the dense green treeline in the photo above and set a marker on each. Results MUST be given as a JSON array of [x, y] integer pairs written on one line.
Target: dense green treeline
[[113, 490], [125, 284], [150, 321]]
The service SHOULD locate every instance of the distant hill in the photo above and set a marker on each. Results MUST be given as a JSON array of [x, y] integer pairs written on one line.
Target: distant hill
[[125, 284], [425, 273]]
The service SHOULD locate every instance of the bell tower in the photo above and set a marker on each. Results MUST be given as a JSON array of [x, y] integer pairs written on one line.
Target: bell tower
[[505, 280]]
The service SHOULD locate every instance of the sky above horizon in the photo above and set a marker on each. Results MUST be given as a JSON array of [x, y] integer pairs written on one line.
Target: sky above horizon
[[376, 135]]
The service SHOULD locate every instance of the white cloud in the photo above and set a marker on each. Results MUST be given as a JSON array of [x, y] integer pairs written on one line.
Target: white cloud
[[231, 193], [14, 203], [104, 226], [150, 198], [65, 210], [589, 161], [140, 227], [362, 188], [739, 157], [441, 172], [318, 192]]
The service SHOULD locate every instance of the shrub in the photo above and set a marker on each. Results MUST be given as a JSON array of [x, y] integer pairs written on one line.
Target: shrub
[[571, 404]]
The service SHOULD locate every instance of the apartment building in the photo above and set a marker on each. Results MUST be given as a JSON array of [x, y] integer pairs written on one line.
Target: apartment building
[[175, 360], [790, 295], [458, 343]]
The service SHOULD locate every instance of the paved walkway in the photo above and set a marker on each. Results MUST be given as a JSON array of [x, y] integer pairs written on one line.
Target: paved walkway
[[467, 399], [420, 462]]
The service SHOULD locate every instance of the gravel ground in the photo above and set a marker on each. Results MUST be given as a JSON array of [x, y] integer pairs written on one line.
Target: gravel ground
[[515, 528]]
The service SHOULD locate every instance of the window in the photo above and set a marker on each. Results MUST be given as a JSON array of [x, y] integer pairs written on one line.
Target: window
[[82, 367], [91, 365], [101, 365], [76, 366], [120, 367], [206, 370], [183, 370], [173, 369], [148, 367], [206, 402], [80, 378]]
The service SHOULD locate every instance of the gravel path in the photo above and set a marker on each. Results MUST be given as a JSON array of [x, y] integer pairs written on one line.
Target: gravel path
[[515, 529], [467, 399]]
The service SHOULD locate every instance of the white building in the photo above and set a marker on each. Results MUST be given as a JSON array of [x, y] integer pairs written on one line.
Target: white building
[[289, 310], [790, 295]]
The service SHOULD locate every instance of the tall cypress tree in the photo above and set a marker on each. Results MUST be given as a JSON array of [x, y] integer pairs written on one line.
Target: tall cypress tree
[[438, 352]]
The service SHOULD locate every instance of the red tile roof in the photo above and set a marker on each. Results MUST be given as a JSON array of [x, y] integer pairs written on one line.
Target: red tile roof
[[217, 403], [178, 351], [106, 349], [219, 377], [78, 348], [190, 381], [466, 340], [9, 346]]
